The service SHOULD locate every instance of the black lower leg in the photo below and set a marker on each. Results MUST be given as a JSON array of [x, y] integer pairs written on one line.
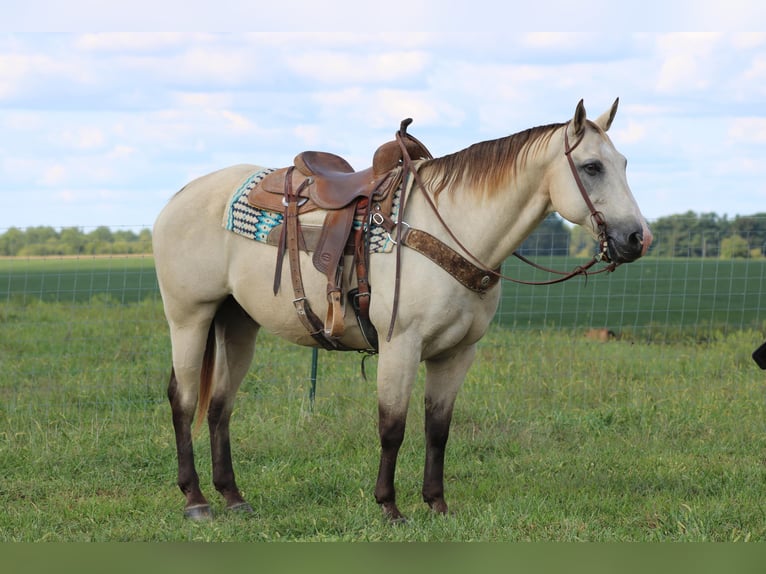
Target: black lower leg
[[391, 431], [437, 434], [188, 480], [220, 446]]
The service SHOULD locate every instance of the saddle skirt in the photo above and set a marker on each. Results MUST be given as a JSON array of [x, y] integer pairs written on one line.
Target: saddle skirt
[[265, 225]]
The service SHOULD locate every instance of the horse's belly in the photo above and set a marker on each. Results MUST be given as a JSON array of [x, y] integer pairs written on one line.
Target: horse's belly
[[251, 275]]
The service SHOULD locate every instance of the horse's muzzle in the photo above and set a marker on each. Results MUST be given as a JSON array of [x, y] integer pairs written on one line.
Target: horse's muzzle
[[627, 247]]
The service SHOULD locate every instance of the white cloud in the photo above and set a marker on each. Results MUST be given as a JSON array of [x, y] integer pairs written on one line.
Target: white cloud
[[53, 175], [349, 67], [632, 133], [202, 100], [17, 70], [81, 138], [308, 135], [686, 61], [748, 130], [121, 42], [237, 122], [22, 121], [748, 40], [121, 152], [143, 112], [757, 69], [395, 105]]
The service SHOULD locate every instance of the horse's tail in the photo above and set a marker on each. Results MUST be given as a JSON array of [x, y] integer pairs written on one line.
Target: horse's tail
[[206, 379]]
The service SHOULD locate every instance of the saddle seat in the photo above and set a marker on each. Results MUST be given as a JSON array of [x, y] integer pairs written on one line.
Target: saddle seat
[[332, 182]]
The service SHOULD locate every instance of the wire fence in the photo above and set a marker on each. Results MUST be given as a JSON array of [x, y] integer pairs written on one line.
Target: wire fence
[[654, 295], [79, 326]]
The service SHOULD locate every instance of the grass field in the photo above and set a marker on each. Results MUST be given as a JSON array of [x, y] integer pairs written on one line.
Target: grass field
[[555, 437]]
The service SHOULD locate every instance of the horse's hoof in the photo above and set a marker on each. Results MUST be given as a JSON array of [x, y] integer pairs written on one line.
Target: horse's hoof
[[392, 514], [439, 507], [198, 513], [241, 508]]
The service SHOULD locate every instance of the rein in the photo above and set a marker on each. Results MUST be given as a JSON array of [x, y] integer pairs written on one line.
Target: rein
[[598, 220], [596, 216]]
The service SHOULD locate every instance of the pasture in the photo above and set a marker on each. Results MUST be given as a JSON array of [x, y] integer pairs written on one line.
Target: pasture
[[655, 436]]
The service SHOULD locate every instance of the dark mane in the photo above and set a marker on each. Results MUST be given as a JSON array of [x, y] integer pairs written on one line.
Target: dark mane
[[486, 165]]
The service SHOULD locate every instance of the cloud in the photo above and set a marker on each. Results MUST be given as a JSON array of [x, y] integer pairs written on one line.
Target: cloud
[[122, 42], [144, 113], [349, 68], [746, 130], [632, 133], [686, 62], [81, 138]]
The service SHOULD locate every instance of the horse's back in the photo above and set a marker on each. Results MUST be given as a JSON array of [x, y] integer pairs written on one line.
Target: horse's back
[[189, 238]]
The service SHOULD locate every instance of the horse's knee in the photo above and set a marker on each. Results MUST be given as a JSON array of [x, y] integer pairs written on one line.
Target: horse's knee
[[218, 412], [391, 430], [172, 385]]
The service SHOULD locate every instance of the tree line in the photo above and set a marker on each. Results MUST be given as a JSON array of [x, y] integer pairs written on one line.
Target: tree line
[[685, 235], [45, 240]]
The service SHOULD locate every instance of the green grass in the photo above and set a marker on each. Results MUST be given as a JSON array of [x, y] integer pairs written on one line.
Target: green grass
[[555, 437], [696, 296], [77, 279], [658, 435]]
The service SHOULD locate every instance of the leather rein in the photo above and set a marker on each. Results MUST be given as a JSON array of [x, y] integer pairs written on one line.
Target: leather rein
[[596, 216]]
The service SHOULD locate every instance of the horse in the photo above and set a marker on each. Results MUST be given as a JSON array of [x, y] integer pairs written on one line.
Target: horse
[[483, 201]]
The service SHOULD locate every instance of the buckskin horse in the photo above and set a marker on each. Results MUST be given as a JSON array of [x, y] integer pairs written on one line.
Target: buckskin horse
[[401, 258]]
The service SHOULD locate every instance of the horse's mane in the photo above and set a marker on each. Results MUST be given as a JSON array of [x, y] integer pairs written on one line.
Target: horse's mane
[[486, 165]]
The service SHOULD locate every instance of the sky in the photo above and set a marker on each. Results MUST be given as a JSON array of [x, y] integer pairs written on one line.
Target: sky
[[102, 128]]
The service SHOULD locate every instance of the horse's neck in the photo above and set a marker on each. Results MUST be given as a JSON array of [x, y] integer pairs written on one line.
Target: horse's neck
[[492, 224]]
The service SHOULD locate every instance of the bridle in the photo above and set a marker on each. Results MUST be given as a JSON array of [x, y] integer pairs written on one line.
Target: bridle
[[596, 216], [489, 276]]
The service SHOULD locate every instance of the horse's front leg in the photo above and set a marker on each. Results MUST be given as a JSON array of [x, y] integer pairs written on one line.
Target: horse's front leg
[[397, 369], [444, 377]]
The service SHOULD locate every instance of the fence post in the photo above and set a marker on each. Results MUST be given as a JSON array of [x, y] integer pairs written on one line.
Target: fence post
[[314, 363]]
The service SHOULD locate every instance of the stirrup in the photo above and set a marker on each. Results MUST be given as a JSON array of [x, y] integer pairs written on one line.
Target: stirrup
[[334, 325]]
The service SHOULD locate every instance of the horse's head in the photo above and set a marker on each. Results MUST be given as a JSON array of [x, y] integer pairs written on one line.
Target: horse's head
[[589, 188]]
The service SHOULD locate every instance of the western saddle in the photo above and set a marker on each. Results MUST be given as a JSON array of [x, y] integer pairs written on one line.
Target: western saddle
[[321, 180]]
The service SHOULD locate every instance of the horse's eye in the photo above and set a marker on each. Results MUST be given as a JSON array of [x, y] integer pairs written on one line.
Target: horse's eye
[[593, 167]]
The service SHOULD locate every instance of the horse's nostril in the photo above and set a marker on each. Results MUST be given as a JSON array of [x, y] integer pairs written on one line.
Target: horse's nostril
[[636, 239]]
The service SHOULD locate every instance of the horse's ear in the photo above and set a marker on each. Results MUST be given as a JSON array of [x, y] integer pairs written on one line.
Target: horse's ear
[[605, 119], [578, 122]]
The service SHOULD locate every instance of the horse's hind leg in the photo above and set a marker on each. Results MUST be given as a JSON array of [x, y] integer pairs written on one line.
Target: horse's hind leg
[[235, 334], [190, 341]]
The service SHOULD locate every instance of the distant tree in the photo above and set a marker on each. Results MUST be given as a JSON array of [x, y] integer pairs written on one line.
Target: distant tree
[[145, 241], [753, 229], [12, 241], [689, 234], [44, 240], [581, 243], [72, 240], [550, 238], [39, 235], [734, 246]]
